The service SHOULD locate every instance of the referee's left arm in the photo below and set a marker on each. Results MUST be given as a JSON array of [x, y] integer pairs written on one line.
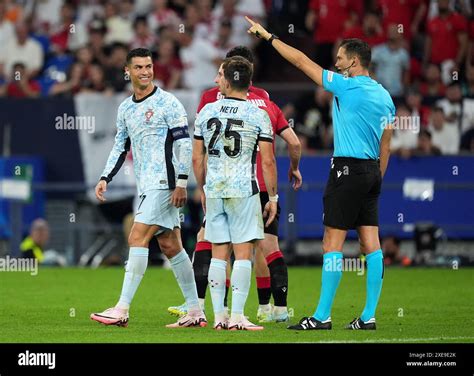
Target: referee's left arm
[[294, 56]]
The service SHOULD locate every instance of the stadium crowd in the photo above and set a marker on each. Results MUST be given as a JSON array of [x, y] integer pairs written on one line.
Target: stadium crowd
[[422, 53]]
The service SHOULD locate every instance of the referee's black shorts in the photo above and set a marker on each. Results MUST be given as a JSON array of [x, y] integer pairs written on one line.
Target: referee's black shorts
[[352, 193], [273, 227]]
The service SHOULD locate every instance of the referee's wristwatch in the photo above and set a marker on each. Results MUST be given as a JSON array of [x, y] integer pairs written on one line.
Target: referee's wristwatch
[[272, 37]]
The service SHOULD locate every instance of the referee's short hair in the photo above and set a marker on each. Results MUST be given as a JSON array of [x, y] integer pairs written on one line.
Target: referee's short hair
[[238, 72], [359, 48]]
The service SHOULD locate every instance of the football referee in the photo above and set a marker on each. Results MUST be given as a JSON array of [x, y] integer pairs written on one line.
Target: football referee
[[362, 113]]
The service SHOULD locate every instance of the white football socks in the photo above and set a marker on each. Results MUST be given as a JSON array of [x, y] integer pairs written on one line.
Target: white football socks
[[136, 266], [216, 279], [240, 281], [183, 271]]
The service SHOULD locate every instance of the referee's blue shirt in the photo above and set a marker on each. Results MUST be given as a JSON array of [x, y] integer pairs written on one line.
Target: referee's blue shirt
[[361, 110]]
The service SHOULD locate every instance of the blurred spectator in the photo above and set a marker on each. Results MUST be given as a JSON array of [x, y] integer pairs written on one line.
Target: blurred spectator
[[371, 31], [407, 13], [22, 49], [432, 86], [143, 37], [79, 75], [85, 57], [55, 70], [461, 6], [459, 111], [162, 15], [97, 31], [15, 12], [414, 102], [67, 34], [115, 71], [96, 82], [405, 133], [192, 21], [33, 245], [89, 10], [446, 37], [425, 145], [391, 252], [200, 61], [392, 63], [7, 31], [222, 42], [204, 8], [21, 85], [468, 86], [467, 141], [119, 22], [328, 19], [167, 67], [45, 14], [445, 137], [73, 83], [312, 118], [252, 8], [227, 10], [166, 32]]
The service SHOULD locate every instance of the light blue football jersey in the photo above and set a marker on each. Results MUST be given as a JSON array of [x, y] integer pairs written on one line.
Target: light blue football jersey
[[151, 126], [231, 129], [361, 110]]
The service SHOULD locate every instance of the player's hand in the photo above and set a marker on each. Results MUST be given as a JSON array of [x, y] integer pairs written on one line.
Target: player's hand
[[295, 177], [257, 30], [179, 197], [203, 201], [100, 188], [270, 211]]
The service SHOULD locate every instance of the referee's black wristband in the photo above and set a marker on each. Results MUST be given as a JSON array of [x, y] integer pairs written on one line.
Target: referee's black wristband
[[273, 36]]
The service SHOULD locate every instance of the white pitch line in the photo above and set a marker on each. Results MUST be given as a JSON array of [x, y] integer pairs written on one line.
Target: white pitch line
[[394, 340]]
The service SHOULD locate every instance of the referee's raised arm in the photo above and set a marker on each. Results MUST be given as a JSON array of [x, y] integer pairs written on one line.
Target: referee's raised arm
[[362, 114], [293, 55]]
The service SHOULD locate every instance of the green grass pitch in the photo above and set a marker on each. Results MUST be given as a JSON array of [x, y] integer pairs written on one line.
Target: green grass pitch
[[417, 305]]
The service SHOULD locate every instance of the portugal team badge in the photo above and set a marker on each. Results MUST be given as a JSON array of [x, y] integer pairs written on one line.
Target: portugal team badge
[[148, 115]]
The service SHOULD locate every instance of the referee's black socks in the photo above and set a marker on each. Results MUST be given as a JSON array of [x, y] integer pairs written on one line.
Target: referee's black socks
[[279, 278]]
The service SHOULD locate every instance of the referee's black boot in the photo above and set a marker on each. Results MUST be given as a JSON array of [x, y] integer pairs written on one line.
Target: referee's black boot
[[310, 323], [358, 324]]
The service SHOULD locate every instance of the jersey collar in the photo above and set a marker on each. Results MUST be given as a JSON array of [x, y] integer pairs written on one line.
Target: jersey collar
[[149, 95]]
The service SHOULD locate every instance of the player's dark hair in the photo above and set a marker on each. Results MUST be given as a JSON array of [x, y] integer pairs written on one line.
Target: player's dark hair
[[238, 72], [359, 48], [241, 51], [138, 52]]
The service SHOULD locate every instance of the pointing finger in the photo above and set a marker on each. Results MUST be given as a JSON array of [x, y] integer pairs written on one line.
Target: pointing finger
[[250, 21]]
